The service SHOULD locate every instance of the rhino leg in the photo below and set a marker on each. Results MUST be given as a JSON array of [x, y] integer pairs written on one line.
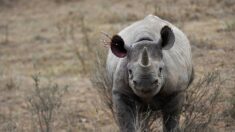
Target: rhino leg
[[124, 112], [171, 113], [171, 123]]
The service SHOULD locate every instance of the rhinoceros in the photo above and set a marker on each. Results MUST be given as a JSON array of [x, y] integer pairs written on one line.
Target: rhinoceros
[[149, 62]]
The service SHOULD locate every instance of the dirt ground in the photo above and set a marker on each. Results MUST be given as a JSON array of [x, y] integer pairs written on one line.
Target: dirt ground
[[55, 38]]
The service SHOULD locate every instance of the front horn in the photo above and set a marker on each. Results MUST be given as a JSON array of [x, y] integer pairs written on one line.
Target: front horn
[[145, 58]]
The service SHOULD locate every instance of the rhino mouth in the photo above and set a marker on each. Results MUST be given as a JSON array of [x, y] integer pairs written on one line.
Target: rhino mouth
[[146, 91]]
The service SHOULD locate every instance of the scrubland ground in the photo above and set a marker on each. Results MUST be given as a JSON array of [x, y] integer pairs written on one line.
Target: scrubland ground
[[57, 41]]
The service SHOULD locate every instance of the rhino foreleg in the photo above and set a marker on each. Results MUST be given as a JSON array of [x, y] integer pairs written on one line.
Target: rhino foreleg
[[171, 113], [171, 123], [124, 112]]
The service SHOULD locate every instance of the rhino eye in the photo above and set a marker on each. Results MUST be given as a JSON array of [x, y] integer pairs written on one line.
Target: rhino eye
[[130, 73]]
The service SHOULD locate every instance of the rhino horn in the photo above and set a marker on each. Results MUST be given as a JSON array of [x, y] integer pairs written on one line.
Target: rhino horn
[[145, 58]]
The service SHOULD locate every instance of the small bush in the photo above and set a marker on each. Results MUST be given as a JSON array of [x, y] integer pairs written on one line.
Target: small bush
[[7, 3], [101, 81], [7, 124], [65, 1], [4, 30], [232, 110], [69, 29], [200, 105], [230, 26], [43, 102]]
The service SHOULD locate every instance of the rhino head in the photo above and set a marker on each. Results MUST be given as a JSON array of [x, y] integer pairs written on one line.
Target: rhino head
[[146, 69]]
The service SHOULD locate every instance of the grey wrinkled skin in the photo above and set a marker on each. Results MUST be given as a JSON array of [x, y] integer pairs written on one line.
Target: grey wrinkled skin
[[154, 72]]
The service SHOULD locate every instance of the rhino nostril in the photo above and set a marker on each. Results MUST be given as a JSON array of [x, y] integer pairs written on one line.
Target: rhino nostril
[[155, 82], [134, 82], [160, 69]]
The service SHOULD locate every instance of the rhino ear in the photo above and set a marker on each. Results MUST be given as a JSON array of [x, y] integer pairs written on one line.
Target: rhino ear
[[168, 38], [117, 46]]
